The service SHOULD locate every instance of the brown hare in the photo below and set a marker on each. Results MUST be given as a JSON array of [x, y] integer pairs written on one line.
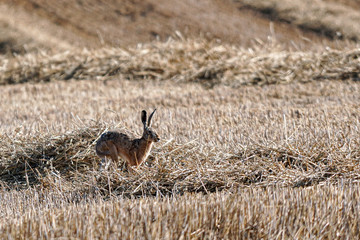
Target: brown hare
[[134, 151]]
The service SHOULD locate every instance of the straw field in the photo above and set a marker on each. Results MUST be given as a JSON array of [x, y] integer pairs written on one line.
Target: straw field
[[255, 143], [26, 25], [332, 18]]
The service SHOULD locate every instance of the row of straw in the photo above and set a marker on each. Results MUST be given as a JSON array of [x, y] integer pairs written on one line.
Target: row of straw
[[209, 63]]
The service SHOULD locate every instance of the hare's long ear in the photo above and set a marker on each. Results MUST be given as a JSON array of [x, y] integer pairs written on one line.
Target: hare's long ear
[[150, 117], [143, 118]]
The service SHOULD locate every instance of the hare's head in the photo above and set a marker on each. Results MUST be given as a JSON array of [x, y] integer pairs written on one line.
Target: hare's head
[[149, 134]]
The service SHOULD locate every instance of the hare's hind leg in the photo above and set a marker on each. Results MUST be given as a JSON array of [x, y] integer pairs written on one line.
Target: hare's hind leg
[[113, 154]]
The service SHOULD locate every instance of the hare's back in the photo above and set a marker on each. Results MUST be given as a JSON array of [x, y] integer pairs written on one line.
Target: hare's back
[[115, 136]]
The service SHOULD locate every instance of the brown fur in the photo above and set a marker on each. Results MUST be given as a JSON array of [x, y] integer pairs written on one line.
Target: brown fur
[[134, 151]]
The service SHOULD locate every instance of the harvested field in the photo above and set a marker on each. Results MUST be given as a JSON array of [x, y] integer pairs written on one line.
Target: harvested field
[[54, 25], [321, 212], [333, 19], [186, 61], [259, 140], [230, 140]]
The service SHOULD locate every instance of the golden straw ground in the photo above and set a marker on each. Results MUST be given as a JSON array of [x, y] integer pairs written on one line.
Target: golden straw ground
[[235, 141]]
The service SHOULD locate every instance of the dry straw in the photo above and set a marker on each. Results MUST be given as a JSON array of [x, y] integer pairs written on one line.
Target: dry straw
[[283, 172], [321, 212], [69, 161], [209, 63]]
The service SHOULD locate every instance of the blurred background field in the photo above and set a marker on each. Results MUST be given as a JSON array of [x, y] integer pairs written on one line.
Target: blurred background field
[[258, 112]]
